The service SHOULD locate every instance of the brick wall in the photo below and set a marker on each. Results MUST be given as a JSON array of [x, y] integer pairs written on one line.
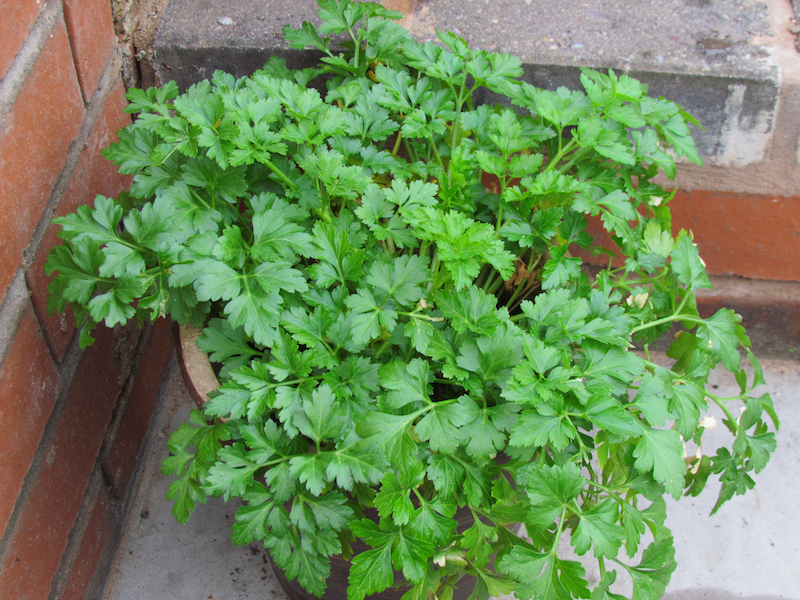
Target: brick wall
[[73, 420]]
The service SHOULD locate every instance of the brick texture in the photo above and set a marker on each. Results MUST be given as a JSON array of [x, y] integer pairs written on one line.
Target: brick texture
[[757, 237], [91, 34], [98, 531], [35, 552], [119, 460], [28, 383], [93, 175], [18, 18], [751, 236], [46, 116]]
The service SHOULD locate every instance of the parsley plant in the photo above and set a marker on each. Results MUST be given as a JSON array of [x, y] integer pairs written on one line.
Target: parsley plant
[[387, 274]]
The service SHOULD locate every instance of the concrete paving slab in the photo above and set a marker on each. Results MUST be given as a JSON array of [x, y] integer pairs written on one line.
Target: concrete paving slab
[[158, 558], [749, 549], [713, 58]]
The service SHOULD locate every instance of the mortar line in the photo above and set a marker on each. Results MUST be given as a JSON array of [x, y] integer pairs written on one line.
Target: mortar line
[[15, 302], [99, 477], [161, 408], [22, 65], [122, 404], [66, 373], [93, 110], [77, 534]]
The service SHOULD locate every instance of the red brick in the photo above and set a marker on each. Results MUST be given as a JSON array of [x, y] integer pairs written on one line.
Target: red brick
[[747, 235], [46, 116], [98, 531], [119, 462], [91, 35], [93, 175], [40, 537], [28, 383], [18, 18]]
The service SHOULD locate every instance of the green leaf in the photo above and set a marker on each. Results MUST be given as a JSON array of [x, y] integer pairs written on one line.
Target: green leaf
[[661, 451], [252, 519], [277, 237], [544, 576], [226, 184], [310, 569], [651, 399], [687, 265], [371, 572], [255, 311], [446, 473], [354, 464], [310, 470], [407, 383], [412, 555], [186, 491], [322, 417], [479, 540], [439, 427], [369, 315], [550, 489], [560, 269], [463, 243], [401, 278], [542, 426], [470, 309], [389, 435], [338, 261], [483, 438], [652, 574], [718, 336], [115, 306], [597, 530], [608, 413], [304, 37], [393, 500], [232, 474]]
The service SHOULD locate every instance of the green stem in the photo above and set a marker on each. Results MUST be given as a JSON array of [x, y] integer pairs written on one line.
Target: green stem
[[607, 490], [718, 401], [496, 285], [489, 281], [281, 175], [412, 156], [416, 315], [357, 44], [436, 153], [383, 348], [670, 319], [561, 152], [573, 159], [397, 143]]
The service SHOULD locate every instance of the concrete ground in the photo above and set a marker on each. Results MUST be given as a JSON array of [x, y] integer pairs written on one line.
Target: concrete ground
[[749, 549]]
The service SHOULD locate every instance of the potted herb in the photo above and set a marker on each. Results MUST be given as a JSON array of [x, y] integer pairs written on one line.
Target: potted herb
[[399, 340]]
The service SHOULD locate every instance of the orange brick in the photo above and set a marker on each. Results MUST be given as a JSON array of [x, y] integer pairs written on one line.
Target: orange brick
[[91, 34], [40, 537], [93, 175], [18, 18], [46, 116], [28, 383], [747, 235], [98, 531]]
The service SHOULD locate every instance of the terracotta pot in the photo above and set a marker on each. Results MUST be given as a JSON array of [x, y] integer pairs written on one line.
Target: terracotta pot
[[198, 375], [200, 379]]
